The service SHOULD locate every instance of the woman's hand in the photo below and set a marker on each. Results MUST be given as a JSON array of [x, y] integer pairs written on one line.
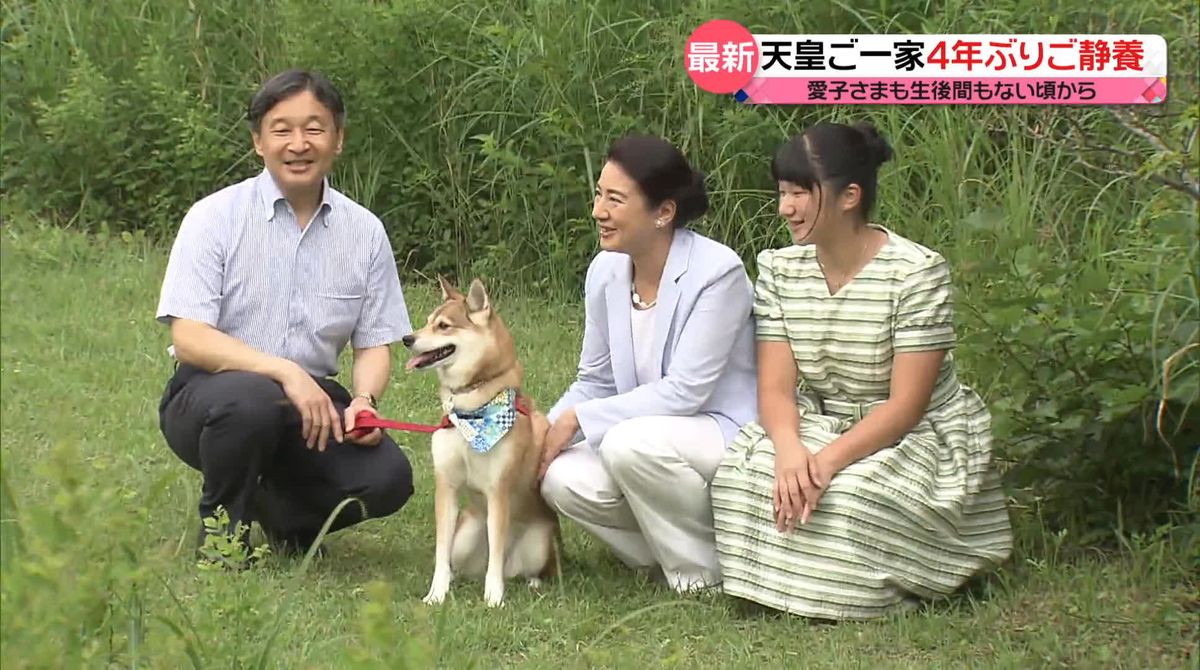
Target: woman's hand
[[798, 483], [820, 471], [557, 438]]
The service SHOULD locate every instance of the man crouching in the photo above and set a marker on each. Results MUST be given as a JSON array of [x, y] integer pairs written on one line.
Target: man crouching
[[268, 280]]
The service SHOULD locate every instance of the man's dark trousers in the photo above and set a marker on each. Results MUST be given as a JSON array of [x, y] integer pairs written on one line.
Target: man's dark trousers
[[243, 434]]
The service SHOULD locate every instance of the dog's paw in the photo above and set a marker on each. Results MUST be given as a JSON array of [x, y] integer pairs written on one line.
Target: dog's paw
[[436, 595], [493, 595], [434, 598], [535, 583]]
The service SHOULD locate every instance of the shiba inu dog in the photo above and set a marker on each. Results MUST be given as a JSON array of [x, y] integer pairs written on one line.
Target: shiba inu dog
[[489, 448]]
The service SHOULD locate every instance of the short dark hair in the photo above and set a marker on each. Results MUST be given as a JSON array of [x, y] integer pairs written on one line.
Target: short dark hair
[[835, 154], [288, 83], [662, 173]]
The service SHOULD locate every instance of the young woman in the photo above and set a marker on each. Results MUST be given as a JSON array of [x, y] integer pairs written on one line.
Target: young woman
[[666, 372], [867, 481]]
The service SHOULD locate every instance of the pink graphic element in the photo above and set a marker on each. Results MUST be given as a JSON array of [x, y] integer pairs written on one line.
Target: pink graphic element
[[1157, 91], [721, 56], [754, 91], [974, 91]]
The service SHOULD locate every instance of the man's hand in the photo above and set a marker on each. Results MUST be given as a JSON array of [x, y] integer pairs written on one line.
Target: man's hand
[[370, 439], [318, 415], [209, 349]]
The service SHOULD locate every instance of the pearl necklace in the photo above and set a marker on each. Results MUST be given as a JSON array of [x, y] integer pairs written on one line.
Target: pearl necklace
[[637, 300]]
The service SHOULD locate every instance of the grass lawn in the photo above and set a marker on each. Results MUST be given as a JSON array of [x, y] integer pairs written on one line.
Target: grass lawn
[[99, 520]]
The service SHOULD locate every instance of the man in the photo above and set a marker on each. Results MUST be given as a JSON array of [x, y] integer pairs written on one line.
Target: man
[[267, 282]]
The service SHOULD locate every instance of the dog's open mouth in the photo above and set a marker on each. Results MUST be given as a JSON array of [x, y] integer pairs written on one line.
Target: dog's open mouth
[[429, 357]]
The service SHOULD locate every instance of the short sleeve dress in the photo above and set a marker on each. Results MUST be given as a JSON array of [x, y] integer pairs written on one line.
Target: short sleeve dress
[[913, 520]]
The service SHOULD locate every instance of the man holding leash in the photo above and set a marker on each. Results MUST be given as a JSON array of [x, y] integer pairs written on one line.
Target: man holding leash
[[268, 280]]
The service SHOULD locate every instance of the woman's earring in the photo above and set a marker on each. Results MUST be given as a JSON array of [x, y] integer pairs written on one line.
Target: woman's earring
[[658, 223]]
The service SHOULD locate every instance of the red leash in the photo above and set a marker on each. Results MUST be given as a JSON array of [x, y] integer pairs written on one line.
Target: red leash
[[364, 421]]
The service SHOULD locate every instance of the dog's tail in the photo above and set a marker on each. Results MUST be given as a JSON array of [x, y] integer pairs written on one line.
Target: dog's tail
[[553, 568], [558, 540], [559, 551]]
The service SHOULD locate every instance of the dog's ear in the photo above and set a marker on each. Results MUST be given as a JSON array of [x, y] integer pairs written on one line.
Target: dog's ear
[[477, 298], [449, 292]]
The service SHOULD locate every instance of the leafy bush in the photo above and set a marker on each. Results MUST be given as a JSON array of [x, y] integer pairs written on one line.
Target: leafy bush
[[1094, 396]]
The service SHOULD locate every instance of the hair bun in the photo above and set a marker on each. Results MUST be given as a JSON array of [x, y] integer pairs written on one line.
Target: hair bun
[[876, 143], [691, 202]]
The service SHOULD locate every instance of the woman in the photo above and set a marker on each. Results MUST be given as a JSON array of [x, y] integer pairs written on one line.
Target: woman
[[666, 372], [870, 485]]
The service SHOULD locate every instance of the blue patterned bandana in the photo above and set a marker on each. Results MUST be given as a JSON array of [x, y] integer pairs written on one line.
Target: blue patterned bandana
[[484, 427]]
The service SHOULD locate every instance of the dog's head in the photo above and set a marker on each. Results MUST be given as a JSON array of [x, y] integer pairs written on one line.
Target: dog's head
[[463, 338]]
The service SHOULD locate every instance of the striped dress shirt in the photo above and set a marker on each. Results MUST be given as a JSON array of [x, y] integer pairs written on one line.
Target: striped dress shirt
[[242, 264]]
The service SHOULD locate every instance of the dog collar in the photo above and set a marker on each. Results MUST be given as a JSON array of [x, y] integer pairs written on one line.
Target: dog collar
[[483, 428]]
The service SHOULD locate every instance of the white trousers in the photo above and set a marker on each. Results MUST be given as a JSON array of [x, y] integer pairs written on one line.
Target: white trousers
[[645, 494]]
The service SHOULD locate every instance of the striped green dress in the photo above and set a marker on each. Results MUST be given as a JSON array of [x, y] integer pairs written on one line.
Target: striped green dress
[[915, 519]]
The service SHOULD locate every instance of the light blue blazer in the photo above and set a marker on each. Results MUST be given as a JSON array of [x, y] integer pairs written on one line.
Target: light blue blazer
[[703, 342]]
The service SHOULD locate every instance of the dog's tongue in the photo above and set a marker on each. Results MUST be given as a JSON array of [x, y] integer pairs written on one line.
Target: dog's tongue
[[418, 360]]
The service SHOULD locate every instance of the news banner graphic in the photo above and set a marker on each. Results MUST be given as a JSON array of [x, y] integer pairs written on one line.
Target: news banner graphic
[[724, 57]]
